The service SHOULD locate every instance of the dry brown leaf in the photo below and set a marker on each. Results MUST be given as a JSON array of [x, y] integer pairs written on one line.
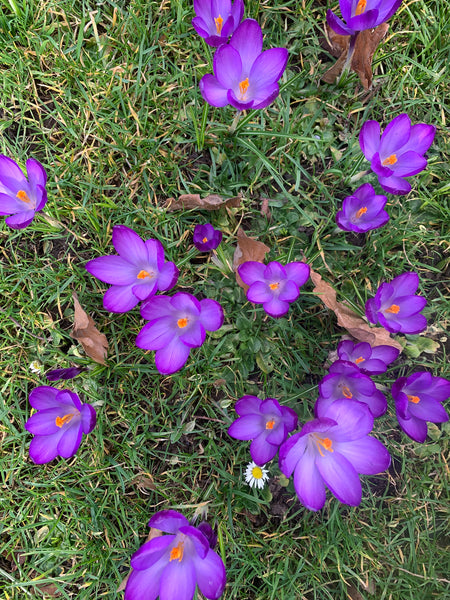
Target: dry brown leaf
[[265, 210], [48, 590], [143, 481], [84, 330], [247, 249], [353, 594], [211, 202], [366, 44], [153, 534], [347, 318]]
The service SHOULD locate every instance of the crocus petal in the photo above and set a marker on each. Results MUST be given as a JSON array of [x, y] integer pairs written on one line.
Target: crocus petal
[[237, 11], [178, 581], [70, 441], [265, 96], [355, 421], [369, 138], [145, 290], [277, 435], [168, 276], [200, 27], [248, 405], [11, 174], [211, 315], [184, 302], [202, 9], [251, 271], [194, 336], [386, 9], [415, 428], [309, 484], [340, 476], [145, 584], [395, 135], [151, 552], [408, 306], [213, 92], [157, 307], [36, 173], [44, 448], [44, 421], [276, 308], [119, 299], [367, 455], [168, 521], [291, 451], [20, 220], [298, 272], [172, 357], [247, 427], [429, 410], [197, 538], [421, 138], [268, 67], [290, 292], [88, 418], [261, 451], [129, 245], [43, 397], [112, 269], [248, 41], [366, 20], [156, 335], [337, 25], [210, 574], [227, 67], [259, 292], [410, 163], [41, 198], [394, 185], [10, 204]]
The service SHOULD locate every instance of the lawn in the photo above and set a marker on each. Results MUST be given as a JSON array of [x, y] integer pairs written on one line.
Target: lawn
[[105, 95]]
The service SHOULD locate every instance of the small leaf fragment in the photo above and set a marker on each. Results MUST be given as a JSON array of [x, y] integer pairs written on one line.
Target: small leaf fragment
[[211, 202], [84, 330], [247, 249]]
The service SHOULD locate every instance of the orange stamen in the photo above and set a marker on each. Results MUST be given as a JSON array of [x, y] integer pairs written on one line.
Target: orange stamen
[[204, 240], [359, 360], [361, 212], [325, 443], [182, 322], [270, 424], [274, 286], [143, 274], [390, 160], [360, 7], [22, 195], [177, 552], [346, 392], [219, 24], [414, 399], [394, 309], [243, 87], [60, 421]]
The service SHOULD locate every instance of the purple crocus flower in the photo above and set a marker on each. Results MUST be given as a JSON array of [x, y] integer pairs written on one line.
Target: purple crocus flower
[[266, 423], [331, 451], [206, 238], [370, 360], [69, 373], [171, 566], [216, 20], [418, 399], [398, 153], [396, 307], [361, 14], [274, 286], [20, 197], [136, 274], [59, 424], [244, 75], [345, 380], [177, 324], [363, 210]]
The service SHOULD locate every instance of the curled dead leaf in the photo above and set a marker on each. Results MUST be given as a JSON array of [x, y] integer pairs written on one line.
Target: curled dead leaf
[[347, 318], [144, 482], [265, 210], [84, 330], [366, 44], [211, 202], [247, 249]]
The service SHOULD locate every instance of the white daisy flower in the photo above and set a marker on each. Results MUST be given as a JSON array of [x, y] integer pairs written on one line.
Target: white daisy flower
[[256, 476], [36, 366]]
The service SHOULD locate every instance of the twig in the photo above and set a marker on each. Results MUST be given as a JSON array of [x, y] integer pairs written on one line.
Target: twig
[[22, 327]]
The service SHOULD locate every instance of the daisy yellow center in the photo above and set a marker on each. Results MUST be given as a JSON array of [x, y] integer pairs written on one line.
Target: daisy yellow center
[[22, 195], [143, 274], [414, 399], [324, 443], [204, 240], [257, 472], [243, 87], [60, 421], [390, 160], [361, 212], [393, 309], [274, 286], [182, 322], [359, 360], [346, 392], [270, 424], [360, 7], [177, 552], [219, 24]]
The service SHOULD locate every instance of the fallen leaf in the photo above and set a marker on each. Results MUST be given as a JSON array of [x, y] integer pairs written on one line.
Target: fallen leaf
[[353, 594], [143, 481], [247, 249], [265, 211], [366, 44], [347, 318], [48, 590], [211, 202], [84, 330]]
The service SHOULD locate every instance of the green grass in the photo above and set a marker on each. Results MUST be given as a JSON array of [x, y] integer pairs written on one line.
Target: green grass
[[105, 94]]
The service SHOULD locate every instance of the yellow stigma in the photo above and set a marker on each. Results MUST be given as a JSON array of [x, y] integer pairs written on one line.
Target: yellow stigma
[[143, 274], [257, 472], [360, 7], [182, 322], [325, 443], [60, 421], [177, 552], [243, 87], [274, 286], [270, 424], [394, 309], [346, 392], [204, 240], [22, 195], [361, 212], [390, 160], [414, 399], [219, 23], [359, 360]]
